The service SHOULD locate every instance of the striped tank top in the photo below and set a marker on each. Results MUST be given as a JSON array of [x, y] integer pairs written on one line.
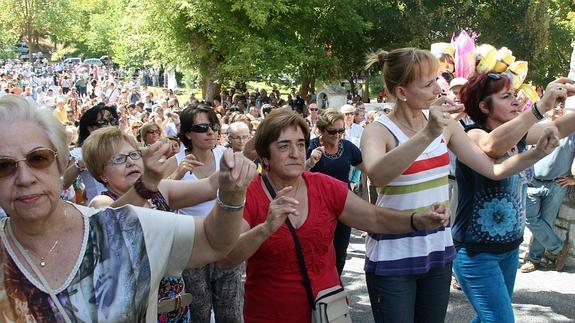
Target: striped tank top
[[423, 183]]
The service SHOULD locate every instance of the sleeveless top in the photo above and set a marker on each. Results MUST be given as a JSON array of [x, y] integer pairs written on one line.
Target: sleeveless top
[[490, 214], [204, 208], [170, 286], [423, 183]]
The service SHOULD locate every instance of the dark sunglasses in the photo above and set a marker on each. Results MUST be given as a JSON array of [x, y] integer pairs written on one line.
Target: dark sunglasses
[[494, 76], [122, 158], [37, 159], [204, 127], [335, 131], [153, 132], [312, 109], [105, 122]]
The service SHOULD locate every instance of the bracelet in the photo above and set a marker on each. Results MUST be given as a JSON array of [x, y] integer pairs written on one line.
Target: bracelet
[[308, 165], [228, 207], [411, 221], [144, 193], [536, 112]]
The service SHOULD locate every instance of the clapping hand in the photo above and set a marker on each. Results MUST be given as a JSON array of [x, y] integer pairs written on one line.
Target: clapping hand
[[155, 165], [439, 115], [548, 141], [279, 209], [437, 215], [236, 173]]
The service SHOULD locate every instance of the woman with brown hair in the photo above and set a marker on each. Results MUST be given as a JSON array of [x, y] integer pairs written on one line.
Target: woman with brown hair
[[313, 203], [405, 155], [150, 133]]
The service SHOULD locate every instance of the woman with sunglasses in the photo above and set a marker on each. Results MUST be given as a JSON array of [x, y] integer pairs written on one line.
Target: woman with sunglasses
[[67, 263], [405, 155], [491, 215], [331, 155], [150, 133], [97, 117], [210, 287]]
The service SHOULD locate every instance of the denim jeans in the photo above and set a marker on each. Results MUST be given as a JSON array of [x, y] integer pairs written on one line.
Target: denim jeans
[[413, 298], [487, 279], [544, 200]]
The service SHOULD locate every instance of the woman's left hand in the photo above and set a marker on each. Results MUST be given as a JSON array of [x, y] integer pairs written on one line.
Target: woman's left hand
[[437, 215]]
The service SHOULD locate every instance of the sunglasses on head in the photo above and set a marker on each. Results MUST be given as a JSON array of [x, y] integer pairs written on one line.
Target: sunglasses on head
[[335, 131], [122, 158], [37, 159], [105, 122], [494, 76], [204, 127]]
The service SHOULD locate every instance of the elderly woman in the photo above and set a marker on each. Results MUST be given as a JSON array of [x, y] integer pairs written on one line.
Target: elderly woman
[[150, 133], [114, 158], [65, 263], [491, 215], [313, 203], [238, 135], [405, 155], [335, 157]]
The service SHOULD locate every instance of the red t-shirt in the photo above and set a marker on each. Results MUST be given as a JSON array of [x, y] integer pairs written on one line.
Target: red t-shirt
[[274, 290]]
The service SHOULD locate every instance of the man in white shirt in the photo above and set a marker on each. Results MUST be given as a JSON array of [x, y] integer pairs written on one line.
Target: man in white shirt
[[353, 131]]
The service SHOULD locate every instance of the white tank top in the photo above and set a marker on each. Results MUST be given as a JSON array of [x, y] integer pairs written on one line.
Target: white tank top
[[203, 208]]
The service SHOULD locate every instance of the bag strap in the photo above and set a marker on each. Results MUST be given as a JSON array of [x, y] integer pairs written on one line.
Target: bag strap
[[24, 253], [299, 253]]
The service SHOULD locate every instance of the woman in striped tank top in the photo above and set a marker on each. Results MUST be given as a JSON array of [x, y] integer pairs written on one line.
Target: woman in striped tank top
[[405, 155]]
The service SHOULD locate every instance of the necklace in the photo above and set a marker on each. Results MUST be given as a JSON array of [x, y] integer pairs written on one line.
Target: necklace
[[42, 262], [407, 127], [296, 188]]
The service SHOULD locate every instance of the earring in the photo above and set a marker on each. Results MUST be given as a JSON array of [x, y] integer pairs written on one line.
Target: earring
[[404, 99]]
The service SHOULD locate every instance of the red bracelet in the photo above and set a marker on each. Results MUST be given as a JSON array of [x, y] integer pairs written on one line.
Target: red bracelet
[[144, 193]]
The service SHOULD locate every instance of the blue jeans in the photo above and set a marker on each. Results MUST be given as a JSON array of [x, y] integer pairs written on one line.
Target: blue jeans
[[487, 279], [544, 200], [408, 299]]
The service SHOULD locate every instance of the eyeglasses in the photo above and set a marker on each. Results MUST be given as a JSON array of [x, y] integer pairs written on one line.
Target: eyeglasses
[[313, 109], [37, 159], [203, 127], [153, 132], [244, 138], [335, 131], [122, 158], [105, 122]]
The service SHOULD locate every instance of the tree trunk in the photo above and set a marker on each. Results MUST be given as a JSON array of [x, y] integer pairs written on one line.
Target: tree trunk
[[209, 86], [366, 89], [306, 86]]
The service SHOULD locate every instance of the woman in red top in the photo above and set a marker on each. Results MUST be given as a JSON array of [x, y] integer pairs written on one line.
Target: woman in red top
[[313, 202]]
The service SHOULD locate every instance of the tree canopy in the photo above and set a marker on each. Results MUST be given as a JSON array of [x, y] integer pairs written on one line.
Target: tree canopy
[[301, 40]]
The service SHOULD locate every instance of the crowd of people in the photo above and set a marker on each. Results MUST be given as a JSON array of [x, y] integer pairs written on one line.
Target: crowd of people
[[123, 203]]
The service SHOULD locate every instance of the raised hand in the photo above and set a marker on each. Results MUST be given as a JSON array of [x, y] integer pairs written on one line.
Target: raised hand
[[314, 157], [556, 92], [437, 215], [439, 115], [154, 157], [236, 173], [187, 164], [279, 209], [548, 141]]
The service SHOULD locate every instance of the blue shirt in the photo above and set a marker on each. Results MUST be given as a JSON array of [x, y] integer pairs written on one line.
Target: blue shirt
[[339, 164], [558, 163]]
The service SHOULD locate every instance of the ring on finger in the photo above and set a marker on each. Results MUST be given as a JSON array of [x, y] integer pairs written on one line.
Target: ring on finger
[[446, 115], [560, 88]]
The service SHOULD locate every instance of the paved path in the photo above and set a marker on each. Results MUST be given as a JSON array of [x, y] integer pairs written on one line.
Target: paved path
[[543, 296]]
